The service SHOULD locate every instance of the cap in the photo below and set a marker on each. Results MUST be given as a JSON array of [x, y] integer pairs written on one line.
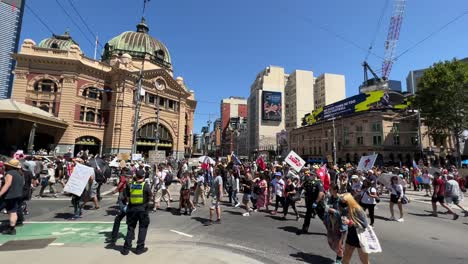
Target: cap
[[354, 177], [278, 174], [370, 171]]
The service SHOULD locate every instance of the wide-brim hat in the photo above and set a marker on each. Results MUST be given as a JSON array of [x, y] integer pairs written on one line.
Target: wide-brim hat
[[14, 163]]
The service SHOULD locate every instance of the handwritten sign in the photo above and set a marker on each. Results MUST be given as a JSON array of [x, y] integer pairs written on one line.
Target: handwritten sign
[[78, 180], [367, 162], [156, 157], [295, 161]]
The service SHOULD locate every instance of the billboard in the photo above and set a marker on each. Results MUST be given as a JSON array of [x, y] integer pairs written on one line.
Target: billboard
[[375, 100], [271, 106]]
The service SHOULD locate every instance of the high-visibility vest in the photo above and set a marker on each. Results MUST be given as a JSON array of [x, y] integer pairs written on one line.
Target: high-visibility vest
[[136, 193]]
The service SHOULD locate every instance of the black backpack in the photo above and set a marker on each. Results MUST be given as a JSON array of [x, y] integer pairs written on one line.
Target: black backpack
[[168, 179]]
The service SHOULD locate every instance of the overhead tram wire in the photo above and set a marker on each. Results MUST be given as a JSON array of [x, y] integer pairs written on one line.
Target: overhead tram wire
[[39, 18], [384, 9], [83, 21], [76, 24], [432, 34]]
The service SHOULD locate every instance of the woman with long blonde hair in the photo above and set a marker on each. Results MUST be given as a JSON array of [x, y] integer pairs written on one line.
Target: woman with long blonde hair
[[355, 218]]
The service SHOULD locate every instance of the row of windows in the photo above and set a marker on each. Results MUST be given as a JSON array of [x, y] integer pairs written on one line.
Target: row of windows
[[91, 115], [152, 99]]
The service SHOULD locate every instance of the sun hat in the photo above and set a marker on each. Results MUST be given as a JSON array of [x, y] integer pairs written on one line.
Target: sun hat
[[14, 163], [354, 177]]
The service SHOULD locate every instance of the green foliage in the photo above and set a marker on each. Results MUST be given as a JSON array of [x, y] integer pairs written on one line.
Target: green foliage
[[442, 97]]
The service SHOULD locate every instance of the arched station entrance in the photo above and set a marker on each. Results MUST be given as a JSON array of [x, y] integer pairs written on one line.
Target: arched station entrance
[[92, 144], [146, 139]]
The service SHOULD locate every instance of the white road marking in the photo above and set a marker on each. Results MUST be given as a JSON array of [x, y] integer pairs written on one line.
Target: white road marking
[[180, 233], [243, 248], [56, 244], [68, 222]]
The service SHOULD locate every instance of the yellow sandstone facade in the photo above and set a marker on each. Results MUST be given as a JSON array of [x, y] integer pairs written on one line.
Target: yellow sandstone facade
[[98, 99]]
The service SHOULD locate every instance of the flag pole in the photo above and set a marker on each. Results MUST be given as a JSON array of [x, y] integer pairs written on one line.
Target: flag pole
[[96, 47]]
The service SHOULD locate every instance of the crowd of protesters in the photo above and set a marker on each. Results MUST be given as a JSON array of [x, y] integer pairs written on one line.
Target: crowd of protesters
[[338, 196]]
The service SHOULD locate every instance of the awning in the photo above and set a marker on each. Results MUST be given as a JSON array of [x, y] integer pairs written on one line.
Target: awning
[[10, 109]]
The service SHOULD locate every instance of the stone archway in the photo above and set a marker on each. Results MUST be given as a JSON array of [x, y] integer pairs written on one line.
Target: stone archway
[[88, 143], [146, 138]]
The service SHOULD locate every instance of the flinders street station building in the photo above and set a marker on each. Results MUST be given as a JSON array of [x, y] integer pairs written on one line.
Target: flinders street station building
[[64, 101]]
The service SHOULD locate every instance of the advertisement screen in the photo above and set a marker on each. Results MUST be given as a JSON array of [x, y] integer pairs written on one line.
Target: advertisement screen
[[375, 100], [271, 106]]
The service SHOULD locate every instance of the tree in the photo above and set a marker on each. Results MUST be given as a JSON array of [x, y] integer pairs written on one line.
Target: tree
[[442, 98]]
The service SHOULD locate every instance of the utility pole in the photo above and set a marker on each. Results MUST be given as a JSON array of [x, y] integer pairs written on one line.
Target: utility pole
[[159, 88], [334, 141], [137, 108]]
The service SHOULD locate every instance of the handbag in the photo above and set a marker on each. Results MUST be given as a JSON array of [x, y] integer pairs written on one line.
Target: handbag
[[297, 196], [368, 240], [404, 199]]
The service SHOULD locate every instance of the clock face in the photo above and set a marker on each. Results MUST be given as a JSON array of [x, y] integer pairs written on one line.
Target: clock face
[[160, 84]]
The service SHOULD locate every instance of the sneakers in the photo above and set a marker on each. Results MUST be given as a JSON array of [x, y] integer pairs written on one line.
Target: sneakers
[[139, 251], [246, 214], [401, 220], [435, 214], [237, 205], [124, 252], [217, 221], [9, 231], [194, 209], [55, 195], [392, 218], [273, 212], [255, 210], [455, 216]]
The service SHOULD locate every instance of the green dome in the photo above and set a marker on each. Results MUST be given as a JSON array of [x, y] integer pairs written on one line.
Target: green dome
[[61, 42], [138, 44]]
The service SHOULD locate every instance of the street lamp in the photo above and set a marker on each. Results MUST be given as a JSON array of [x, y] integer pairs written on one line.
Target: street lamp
[[160, 86]]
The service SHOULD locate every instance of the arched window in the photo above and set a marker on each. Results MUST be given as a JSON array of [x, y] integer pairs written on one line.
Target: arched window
[[92, 93], [54, 46], [45, 85], [90, 115], [44, 107], [160, 54]]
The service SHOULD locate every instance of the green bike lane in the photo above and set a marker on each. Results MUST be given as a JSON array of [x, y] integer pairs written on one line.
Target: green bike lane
[[63, 232]]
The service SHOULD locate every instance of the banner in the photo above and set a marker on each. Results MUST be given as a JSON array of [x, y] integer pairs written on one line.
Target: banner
[[156, 157], [271, 106], [375, 100], [78, 180], [367, 162], [295, 161], [137, 156]]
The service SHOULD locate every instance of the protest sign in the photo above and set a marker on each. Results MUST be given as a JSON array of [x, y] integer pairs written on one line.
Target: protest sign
[[367, 162], [295, 161], [78, 180], [137, 156], [156, 157]]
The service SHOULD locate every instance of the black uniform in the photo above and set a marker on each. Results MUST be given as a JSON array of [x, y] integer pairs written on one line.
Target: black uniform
[[312, 189], [137, 213]]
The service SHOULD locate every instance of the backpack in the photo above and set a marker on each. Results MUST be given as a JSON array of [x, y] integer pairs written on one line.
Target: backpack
[[168, 179]]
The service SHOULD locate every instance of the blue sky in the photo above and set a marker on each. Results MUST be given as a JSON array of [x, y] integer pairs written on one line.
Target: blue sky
[[219, 46]]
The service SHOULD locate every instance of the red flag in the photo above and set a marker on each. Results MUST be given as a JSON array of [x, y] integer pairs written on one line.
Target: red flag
[[322, 173], [261, 163]]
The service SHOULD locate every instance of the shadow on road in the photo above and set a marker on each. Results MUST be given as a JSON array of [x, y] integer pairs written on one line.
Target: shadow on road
[[64, 215], [310, 258], [381, 218], [233, 212], [276, 217], [425, 215], [201, 219], [295, 230]]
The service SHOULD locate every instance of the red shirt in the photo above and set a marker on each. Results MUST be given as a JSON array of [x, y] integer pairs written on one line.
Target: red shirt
[[439, 182], [122, 183]]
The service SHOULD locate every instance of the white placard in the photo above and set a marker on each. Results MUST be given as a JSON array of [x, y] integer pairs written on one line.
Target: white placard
[[295, 161], [156, 157], [136, 156], [367, 162], [78, 180]]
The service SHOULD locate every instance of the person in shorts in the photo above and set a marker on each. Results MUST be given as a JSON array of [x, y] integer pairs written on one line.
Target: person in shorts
[[12, 193], [453, 192], [216, 192], [439, 196]]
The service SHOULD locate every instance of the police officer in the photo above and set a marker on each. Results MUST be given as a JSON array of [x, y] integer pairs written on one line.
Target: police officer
[[314, 195], [138, 195]]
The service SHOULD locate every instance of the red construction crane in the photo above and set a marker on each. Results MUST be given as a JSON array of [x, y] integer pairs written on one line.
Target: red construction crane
[[396, 20], [393, 35]]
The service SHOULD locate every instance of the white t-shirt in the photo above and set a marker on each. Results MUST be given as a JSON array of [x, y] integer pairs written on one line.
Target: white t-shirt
[[163, 176], [366, 199], [279, 187], [397, 188], [452, 188]]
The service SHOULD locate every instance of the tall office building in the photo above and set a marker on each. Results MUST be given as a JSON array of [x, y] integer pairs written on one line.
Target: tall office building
[[412, 80], [299, 97], [329, 88], [265, 110], [11, 16]]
